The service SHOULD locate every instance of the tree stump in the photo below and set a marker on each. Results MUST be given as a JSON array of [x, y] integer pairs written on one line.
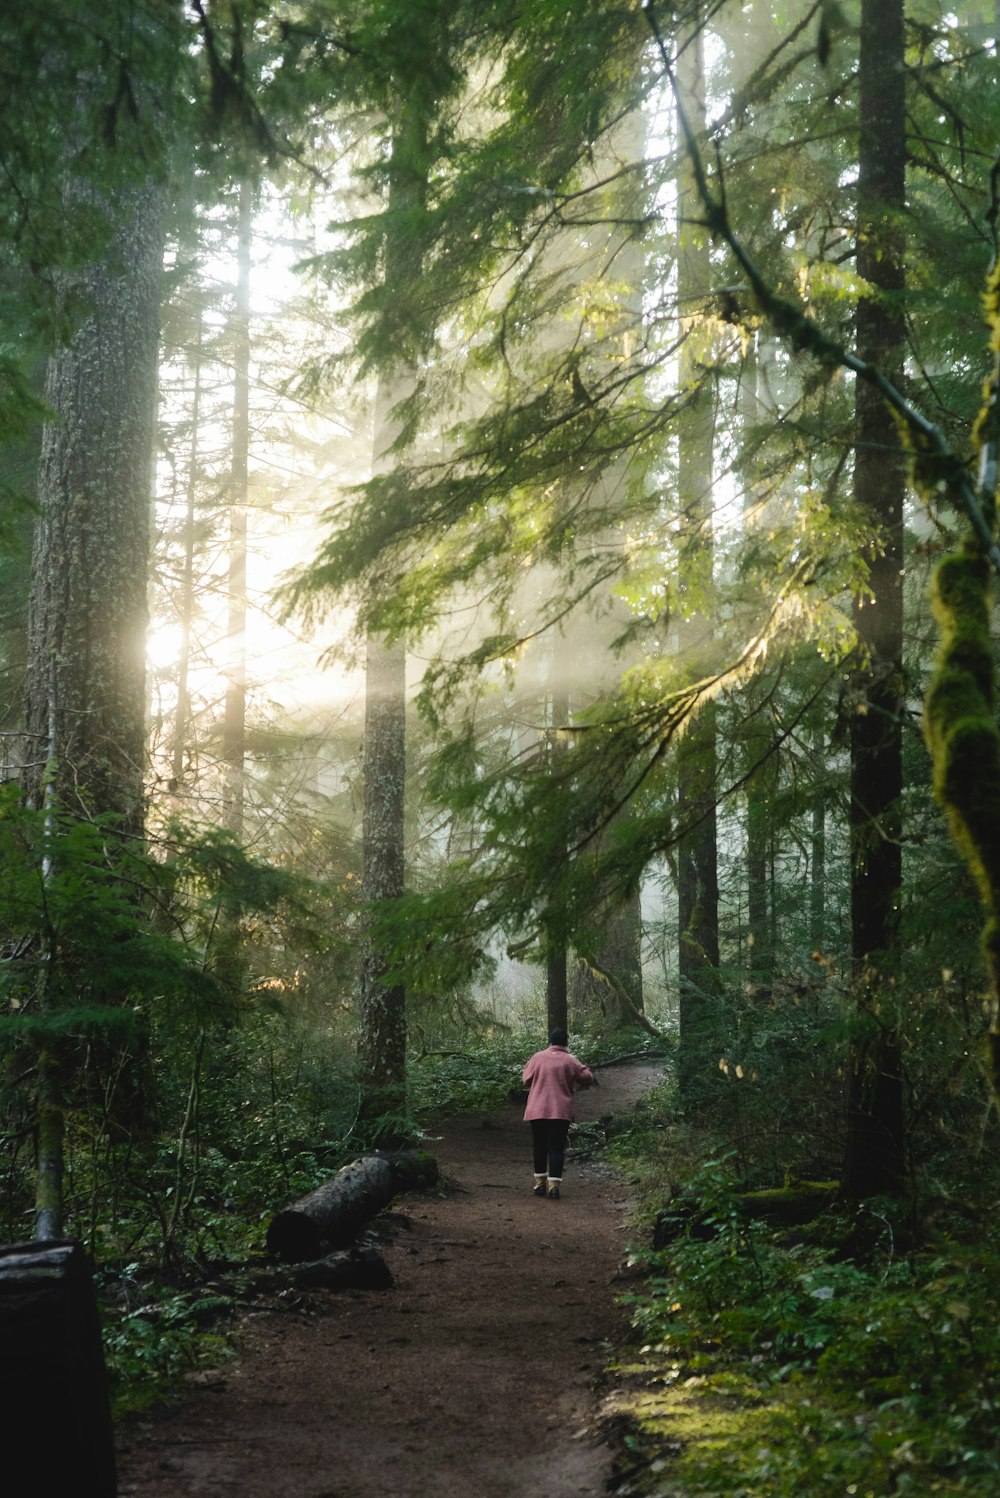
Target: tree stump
[[332, 1216], [53, 1386]]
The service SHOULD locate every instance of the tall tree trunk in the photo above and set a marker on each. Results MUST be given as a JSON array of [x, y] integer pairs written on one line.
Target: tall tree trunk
[[606, 979], [234, 723], [88, 609], [556, 963], [817, 851], [758, 733], [697, 866], [382, 1019], [85, 684], [874, 1159], [759, 866], [382, 1027], [183, 711]]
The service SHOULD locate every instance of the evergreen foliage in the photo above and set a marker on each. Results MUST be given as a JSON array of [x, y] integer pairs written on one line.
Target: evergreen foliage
[[491, 206], [774, 1362]]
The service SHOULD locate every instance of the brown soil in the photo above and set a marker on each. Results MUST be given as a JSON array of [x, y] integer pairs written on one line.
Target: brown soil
[[473, 1378]]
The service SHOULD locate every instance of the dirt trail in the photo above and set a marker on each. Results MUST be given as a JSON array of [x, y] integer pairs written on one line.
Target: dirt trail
[[472, 1378]]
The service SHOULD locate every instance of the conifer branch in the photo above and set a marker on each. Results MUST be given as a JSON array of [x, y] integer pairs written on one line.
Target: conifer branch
[[938, 465]]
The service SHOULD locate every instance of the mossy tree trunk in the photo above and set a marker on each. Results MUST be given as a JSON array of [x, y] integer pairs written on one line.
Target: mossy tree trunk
[[874, 1155], [960, 721]]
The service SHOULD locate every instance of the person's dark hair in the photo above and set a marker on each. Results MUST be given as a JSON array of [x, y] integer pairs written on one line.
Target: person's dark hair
[[558, 1036]]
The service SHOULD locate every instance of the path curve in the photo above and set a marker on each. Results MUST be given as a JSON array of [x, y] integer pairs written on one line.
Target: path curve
[[473, 1378]]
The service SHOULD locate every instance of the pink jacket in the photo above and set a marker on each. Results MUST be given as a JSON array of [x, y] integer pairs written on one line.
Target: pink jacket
[[551, 1076]]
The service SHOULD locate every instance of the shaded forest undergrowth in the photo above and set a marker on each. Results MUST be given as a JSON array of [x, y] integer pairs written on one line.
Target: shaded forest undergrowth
[[856, 1351], [853, 1352]]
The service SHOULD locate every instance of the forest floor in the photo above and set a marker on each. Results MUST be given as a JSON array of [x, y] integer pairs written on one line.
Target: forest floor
[[476, 1376]]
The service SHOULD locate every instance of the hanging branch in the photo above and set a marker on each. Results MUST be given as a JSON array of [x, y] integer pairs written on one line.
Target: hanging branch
[[960, 708], [940, 467]]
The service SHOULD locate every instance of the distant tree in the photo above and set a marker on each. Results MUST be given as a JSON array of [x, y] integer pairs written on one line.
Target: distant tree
[[234, 717], [697, 781]]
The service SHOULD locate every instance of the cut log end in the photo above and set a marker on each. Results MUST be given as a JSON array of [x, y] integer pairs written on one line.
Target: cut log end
[[294, 1237], [52, 1377]]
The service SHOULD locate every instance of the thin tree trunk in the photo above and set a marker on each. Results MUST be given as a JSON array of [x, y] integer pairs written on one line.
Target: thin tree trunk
[[234, 725], [817, 861], [698, 887], [874, 1159], [187, 580], [758, 733], [51, 1122], [556, 964], [382, 1002], [382, 1027]]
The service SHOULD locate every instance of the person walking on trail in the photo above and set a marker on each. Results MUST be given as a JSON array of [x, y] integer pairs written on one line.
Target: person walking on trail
[[551, 1076]]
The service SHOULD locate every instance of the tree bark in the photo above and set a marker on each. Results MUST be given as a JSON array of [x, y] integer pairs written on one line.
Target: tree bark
[[874, 1157], [382, 1027], [85, 713], [817, 854], [88, 610]]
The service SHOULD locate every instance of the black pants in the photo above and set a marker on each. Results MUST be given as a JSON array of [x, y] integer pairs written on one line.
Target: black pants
[[548, 1139]]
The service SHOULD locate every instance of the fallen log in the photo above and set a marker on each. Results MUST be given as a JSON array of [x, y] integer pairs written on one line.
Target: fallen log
[[53, 1386], [795, 1203], [332, 1216]]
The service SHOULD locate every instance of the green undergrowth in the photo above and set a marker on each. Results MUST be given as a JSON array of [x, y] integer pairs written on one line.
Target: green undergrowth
[[178, 1219], [154, 1335], [487, 1073], [770, 1363], [167, 1223], [164, 1319]]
